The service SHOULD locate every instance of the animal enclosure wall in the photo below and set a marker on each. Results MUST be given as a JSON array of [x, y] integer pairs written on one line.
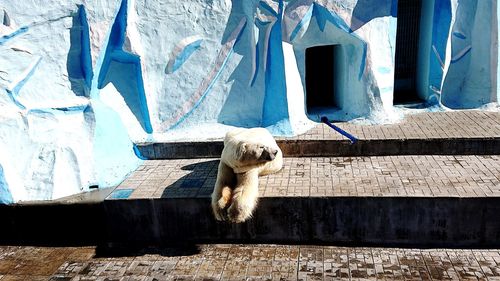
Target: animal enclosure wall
[[83, 81]]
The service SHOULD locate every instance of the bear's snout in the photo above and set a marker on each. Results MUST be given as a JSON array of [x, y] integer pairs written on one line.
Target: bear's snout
[[269, 154]]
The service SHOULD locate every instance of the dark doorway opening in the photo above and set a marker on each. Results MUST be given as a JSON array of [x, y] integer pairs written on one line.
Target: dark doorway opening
[[407, 47], [321, 75]]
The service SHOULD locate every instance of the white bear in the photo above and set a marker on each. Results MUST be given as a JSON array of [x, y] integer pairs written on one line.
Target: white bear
[[247, 154]]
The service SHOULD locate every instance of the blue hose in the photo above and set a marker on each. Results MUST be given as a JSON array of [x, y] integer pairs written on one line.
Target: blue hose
[[352, 138]]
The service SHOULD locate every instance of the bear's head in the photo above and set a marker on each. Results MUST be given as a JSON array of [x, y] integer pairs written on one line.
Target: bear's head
[[255, 153]]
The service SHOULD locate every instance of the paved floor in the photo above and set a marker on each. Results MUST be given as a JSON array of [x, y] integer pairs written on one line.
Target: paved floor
[[429, 176], [464, 176], [451, 124], [250, 262]]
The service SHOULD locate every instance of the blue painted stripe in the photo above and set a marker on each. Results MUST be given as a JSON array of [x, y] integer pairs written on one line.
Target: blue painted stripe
[[13, 94], [268, 8], [212, 82], [14, 100], [275, 108], [81, 107], [323, 15], [461, 54], [363, 60], [459, 35], [207, 91], [114, 52], [9, 36], [257, 57], [394, 8], [186, 53], [86, 57], [441, 21], [307, 17]]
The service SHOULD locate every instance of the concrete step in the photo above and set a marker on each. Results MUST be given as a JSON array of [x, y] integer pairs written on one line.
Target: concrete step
[[450, 201], [437, 133], [73, 220], [423, 201], [329, 148]]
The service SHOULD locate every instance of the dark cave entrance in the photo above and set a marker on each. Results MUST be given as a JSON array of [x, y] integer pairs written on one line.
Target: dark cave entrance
[[322, 75]]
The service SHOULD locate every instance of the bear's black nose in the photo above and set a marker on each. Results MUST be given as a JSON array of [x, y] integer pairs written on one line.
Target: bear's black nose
[[272, 154], [267, 155]]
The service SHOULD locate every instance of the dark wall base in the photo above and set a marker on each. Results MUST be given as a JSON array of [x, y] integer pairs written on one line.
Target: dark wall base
[[329, 148], [358, 221], [380, 221]]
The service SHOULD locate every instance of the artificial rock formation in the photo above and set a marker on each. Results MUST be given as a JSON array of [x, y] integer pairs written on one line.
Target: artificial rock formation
[[81, 81]]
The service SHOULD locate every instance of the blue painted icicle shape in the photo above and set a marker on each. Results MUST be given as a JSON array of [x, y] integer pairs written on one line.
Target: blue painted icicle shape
[[119, 64], [182, 51]]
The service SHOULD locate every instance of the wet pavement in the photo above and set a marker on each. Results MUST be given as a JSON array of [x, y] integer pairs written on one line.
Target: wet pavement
[[249, 262]]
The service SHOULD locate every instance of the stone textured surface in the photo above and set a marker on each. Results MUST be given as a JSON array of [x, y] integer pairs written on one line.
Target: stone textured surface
[[250, 262], [412, 176]]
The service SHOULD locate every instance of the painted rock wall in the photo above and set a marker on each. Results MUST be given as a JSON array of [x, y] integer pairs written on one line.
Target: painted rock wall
[[471, 79], [81, 81], [459, 53], [57, 135]]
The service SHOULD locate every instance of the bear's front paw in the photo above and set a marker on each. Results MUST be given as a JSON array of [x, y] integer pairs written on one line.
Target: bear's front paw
[[225, 199], [219, 213], [239, 213]]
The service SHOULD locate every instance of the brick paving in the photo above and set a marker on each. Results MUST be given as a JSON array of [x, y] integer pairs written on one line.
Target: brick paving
[[461, 176], [428, 176], [428, 125], [423, 125], [250, 262]]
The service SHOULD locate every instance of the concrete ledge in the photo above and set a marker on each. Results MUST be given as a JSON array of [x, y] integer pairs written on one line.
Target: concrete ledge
[[387, 147], [52, 224], [327, 148], [370, 221], [380, 221], [180, 150]]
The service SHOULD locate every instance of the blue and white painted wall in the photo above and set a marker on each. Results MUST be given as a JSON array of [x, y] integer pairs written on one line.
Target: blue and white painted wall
[[471, 79], [459, 53], [81, 81]]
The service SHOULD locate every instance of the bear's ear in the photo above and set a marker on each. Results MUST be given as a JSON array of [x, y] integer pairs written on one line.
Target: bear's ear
[[240, 152]]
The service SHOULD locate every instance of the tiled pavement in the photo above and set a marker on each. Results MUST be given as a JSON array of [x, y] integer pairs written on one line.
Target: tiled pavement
[[429, 125], [250, 262], [451, 132], [423, 125], [465, 176], [428, 176]]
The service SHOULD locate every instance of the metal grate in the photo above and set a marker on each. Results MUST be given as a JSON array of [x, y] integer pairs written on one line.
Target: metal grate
[[407, 39]]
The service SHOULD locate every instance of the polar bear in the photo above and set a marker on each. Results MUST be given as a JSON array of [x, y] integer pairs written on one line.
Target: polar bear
[[247, 154]]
